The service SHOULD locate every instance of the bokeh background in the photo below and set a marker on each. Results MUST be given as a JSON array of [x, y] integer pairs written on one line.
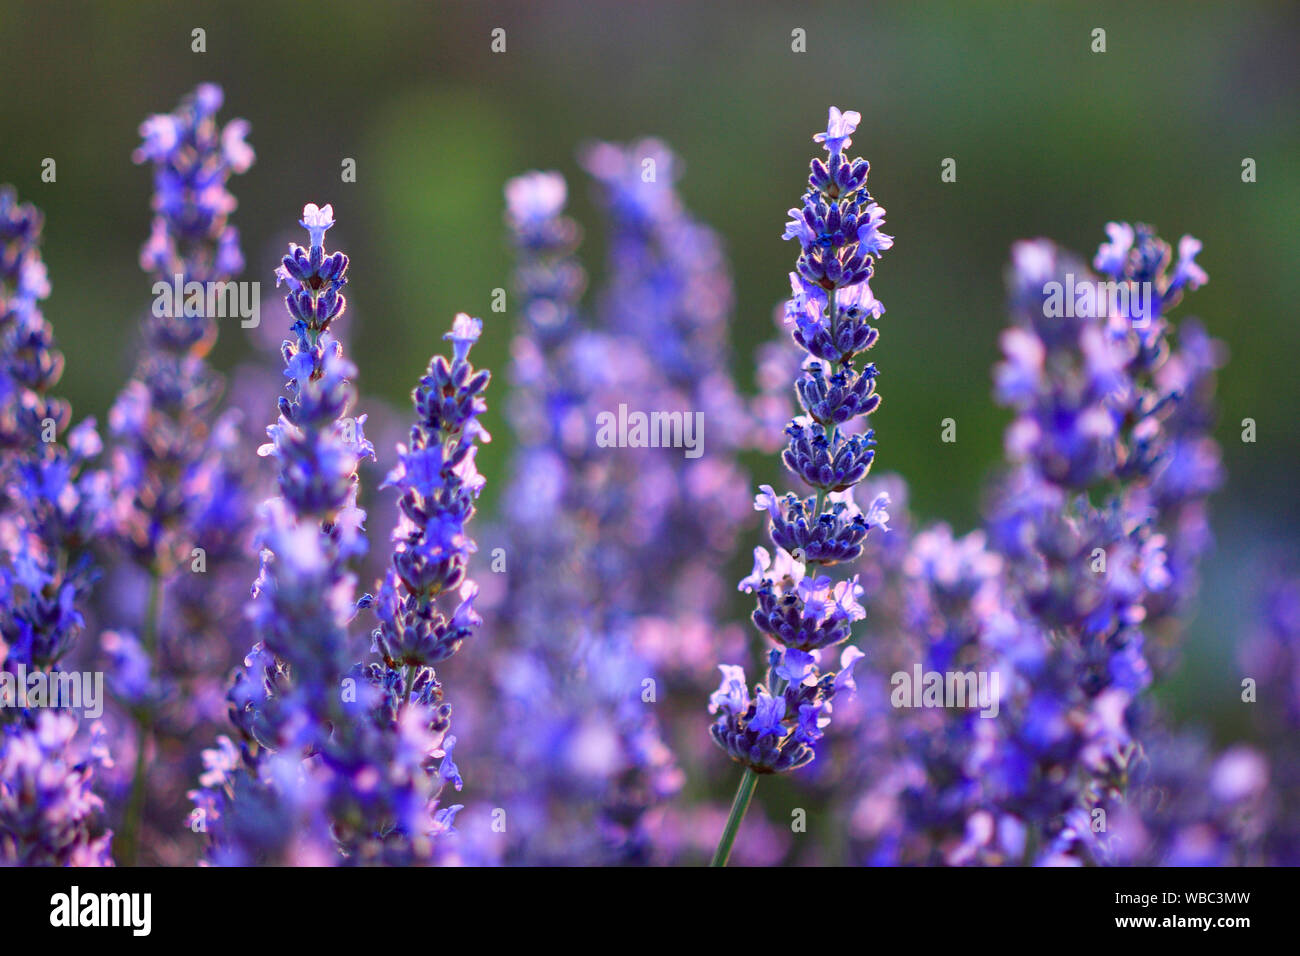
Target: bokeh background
[[1049, 139]]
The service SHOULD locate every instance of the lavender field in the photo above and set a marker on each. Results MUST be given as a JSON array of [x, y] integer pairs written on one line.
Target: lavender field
[[495, 480]]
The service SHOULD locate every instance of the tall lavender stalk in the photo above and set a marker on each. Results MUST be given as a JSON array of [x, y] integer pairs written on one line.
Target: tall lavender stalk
[[585, 779], [287, 698], [163, 460], [1169, 458], [439, 485], [177, 491], [53, 503], [674, 518], [832, 312], [667, 297], [1078, 519], [1111, 460]]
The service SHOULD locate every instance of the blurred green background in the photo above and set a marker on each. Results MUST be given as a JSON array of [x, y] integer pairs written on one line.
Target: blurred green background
[[1049, 139]]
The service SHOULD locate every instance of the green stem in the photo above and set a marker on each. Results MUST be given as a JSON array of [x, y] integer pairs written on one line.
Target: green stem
[[130, 841], [744, 793]]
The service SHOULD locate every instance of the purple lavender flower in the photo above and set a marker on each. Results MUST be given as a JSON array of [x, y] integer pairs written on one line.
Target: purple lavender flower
[[668, 287], [52, 504], [167, 458], [180, 510], [49, 815], [406, 734], [666, 300], [315, 524], [1096, 407], [23, 284], [1062, 374], [286, 699], [52, 499], [438, 484], [831, 309], [666, 297], [582, 765], [1167, 450], [776, 730]]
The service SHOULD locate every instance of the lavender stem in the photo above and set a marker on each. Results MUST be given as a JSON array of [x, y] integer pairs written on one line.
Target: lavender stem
[[744, 793]]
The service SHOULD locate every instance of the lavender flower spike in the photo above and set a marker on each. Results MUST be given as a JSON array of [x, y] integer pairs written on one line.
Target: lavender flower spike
[[285, 701], [162, 421], [439, 484], [175, 485], [805, 614], [52, 501], [51, 505]]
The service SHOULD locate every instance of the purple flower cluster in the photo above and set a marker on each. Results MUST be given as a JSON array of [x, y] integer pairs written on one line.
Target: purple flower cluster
[[49, 815], [665, 303], [1168, 455], [170, 483], [1061, 595], [831, 311], [1099, 401], [53, 503], [29, 363], [181, 509], [608, 596], [587, 774], [343, 761], [1077, 524], [438, 484], [286, 699], [315, 526]]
